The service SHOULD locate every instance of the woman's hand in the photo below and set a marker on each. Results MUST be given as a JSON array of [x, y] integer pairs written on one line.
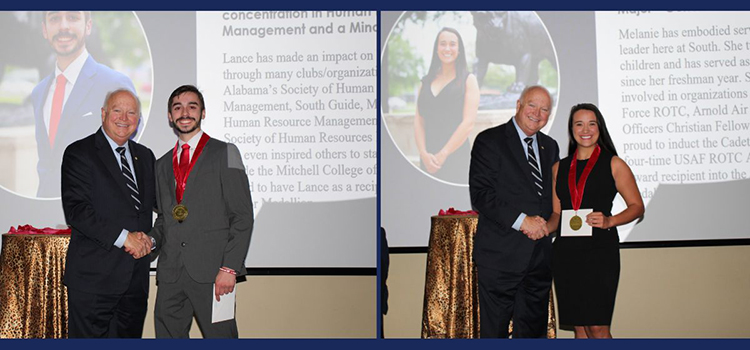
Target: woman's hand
[[430, 162], [440, 158], [597, 219]]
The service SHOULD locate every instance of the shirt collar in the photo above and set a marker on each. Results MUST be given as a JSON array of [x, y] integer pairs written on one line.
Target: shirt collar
[[74, 69], [193, 142], [522, 135], [114, 144]]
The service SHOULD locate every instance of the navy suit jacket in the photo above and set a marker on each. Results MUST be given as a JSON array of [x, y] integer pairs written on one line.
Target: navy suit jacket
[[97, 206], [501, 188], [80, 117]]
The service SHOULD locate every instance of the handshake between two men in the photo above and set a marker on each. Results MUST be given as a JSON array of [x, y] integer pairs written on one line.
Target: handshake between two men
[[137, 244], [534, 227]]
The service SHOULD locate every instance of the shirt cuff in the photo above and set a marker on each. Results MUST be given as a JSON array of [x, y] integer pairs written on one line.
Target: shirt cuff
[[517, 224], [121, 239]]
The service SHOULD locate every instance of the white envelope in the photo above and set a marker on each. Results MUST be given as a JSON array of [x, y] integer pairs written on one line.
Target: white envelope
[[567, 231], [224, 309]]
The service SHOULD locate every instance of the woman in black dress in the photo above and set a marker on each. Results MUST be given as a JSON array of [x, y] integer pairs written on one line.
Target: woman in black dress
[[446, 109], [587, 269]]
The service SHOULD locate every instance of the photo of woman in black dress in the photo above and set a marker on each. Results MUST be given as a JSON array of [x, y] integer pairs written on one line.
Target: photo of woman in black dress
[[446, 110]]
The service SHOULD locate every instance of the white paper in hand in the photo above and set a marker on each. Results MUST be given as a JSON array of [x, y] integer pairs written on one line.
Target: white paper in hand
[[567, 231], [224, 309]]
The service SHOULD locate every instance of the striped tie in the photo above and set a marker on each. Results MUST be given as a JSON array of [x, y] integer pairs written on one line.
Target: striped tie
[[129, 179], [534, 166]]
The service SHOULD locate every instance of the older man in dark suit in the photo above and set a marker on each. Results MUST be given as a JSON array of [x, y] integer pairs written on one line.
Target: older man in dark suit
[[510, 182], [108, 200], [66, 103], [205, 218]]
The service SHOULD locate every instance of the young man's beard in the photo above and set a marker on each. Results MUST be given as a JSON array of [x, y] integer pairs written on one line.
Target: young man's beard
[[72, 50], [176, 127]]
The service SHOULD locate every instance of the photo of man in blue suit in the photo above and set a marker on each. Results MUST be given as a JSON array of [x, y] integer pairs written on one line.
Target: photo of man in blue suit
[[67, 103]]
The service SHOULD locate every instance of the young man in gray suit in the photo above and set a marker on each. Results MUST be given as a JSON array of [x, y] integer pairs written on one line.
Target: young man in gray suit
[[205, 218]]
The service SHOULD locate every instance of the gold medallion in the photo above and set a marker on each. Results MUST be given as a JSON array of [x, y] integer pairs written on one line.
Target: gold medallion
[[179, 213], [575, 222]]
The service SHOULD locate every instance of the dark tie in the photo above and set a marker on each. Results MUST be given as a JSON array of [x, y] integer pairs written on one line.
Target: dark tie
[[534, 166], [129, 179]]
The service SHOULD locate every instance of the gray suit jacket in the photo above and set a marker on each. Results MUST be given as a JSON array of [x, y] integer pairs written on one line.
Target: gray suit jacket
[[217, 229]]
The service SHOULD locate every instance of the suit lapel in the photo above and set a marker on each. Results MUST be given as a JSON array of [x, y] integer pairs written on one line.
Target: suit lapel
[[196, 168], [39, 106], [107, 156], [544, 157], [81, 89], [167, 173], [514, 144], [138, 168]]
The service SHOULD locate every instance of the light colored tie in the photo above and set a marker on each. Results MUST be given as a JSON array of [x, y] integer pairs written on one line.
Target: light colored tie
[[57, 105]]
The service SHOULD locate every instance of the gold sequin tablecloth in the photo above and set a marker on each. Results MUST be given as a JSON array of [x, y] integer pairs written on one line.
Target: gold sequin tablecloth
[[451, 296], [33, 299]]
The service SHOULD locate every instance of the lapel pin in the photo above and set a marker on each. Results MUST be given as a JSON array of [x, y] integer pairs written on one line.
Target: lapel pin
[[136, 158]]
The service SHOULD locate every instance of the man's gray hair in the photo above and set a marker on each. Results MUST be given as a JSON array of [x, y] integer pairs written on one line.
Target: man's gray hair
[[533, 87], [115, 92]]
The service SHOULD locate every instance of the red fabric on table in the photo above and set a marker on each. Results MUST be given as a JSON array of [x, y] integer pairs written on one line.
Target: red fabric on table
[[28, 229], [452, 211]]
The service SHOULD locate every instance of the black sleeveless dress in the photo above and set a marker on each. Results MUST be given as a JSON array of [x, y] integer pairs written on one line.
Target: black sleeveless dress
[[442, 114], [587, 269]]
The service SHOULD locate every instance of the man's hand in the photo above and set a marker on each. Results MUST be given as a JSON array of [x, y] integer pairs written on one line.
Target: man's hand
[[137, 244], [534, 227], [225, 282]]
